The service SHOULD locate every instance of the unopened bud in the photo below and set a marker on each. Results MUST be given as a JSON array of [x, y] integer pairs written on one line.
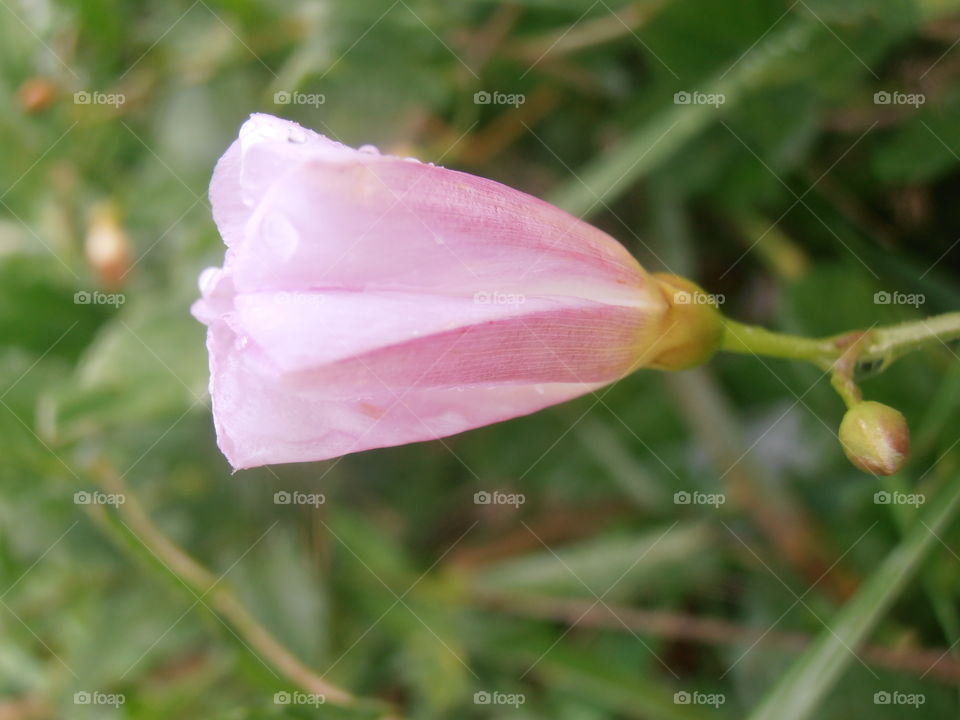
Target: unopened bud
[[106, 246], [875, 437], [36, 94], [691, 330]]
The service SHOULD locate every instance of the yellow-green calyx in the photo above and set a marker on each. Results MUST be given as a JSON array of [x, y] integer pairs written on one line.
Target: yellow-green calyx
[[875, 437], [692, 327]]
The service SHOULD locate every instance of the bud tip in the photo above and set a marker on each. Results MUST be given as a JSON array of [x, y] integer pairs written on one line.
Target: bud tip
[[875, 437]]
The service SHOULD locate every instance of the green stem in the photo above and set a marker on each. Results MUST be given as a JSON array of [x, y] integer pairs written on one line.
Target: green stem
[[883, 344], [897, 340]]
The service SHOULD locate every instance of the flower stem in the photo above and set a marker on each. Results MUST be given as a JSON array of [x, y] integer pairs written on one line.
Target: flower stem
[[755, 340], [896, 340], [875, 345]]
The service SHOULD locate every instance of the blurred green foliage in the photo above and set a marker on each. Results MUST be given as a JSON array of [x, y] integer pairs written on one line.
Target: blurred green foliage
[[797, 198]]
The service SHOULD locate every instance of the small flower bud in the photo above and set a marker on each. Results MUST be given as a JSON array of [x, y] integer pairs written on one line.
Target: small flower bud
[[691, 330], [875, 437], [107, 247], [36, 94]]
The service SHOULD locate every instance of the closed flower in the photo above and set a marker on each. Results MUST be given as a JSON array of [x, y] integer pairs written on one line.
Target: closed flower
[[368, 301]]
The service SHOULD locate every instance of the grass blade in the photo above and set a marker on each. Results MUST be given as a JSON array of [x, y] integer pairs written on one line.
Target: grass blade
[[811, 677]]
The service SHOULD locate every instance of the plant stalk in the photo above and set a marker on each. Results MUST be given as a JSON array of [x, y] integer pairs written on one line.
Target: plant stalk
[[879, 345]]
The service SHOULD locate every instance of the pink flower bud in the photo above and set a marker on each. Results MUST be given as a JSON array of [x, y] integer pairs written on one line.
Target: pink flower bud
[[367, 300], [875, 437]]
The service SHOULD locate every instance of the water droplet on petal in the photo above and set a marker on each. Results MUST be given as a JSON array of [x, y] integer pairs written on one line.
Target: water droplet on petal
[[369, 150], [297, 135]]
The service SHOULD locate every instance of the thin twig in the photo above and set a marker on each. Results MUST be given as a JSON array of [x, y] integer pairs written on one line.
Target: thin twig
[[586, 34], [207, 587]]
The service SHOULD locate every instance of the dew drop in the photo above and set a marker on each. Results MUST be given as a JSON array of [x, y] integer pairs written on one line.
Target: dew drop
[[297, 135], [369, 150]]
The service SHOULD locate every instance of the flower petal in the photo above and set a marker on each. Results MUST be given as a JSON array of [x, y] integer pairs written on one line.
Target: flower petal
[[263, 418], [329, 216], [267, 148], [535, 339]]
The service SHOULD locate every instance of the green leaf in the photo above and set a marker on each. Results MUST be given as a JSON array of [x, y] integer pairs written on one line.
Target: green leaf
[[617, 564], [925, 145], [37, 308], [147, 362]]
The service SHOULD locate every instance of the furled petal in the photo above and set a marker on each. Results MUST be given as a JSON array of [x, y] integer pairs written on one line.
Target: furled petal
[[368, 301], [536, 340], [267, 148], [344, 218], [263, 419]]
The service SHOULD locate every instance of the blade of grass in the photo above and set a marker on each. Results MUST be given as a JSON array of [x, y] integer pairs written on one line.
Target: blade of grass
[[614, 170], [615, 564], [904, 516], [812, 676]]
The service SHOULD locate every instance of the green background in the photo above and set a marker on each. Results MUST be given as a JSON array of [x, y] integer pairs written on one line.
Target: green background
[[600, 597]]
